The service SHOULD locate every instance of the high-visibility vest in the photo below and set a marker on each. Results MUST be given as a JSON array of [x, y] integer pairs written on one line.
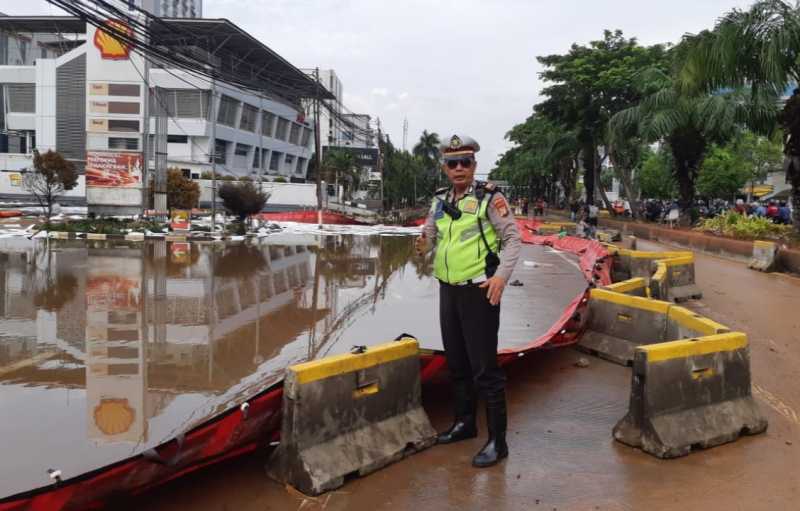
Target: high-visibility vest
[[460, 251]]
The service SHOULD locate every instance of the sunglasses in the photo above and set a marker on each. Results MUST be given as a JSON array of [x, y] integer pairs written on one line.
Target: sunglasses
[[464, 162]]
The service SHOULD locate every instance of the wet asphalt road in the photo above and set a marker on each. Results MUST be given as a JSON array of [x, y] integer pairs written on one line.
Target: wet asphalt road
[[562, 454]]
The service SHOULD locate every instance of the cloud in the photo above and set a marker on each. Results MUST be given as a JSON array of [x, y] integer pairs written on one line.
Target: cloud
[[379, 91], [402, 96], [392, 106]]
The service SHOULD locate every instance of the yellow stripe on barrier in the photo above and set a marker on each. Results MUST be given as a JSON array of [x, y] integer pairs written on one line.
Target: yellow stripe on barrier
[[661, 272], [640, 254], [635, 302], [696, 322], [678, 261], [764, 244], [320, 369], [694, 347], [627, 285]]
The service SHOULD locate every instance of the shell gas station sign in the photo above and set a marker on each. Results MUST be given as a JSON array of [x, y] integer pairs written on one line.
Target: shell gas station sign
[[109, 42]]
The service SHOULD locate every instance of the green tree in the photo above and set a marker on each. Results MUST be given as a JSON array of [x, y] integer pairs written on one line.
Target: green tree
[[687, 123], [722, 174], [182, 192], [591, 83], [655, 179], [51, 176], [757, 49], [340, 167]]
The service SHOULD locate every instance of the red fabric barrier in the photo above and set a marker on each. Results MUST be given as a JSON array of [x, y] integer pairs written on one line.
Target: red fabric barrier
[[309, 217], [236, 432], [10, 213]]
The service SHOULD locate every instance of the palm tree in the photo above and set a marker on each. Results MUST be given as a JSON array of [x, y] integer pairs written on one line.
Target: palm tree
[[339, 164], [688, 122], [758, 49], [427, 148]]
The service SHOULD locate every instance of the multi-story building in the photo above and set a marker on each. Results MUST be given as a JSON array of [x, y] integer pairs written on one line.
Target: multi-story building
[[171, 8], [329, 127], [57, 100]]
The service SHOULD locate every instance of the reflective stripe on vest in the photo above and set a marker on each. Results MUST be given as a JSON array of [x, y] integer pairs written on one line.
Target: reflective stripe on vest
[[460, 251]]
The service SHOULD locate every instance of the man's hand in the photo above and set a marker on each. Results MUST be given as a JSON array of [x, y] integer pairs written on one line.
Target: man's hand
[[496, 285], [421, 245]]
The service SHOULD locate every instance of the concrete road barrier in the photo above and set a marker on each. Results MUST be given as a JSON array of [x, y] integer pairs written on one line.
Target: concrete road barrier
[[350, 415], [633, 287], [765, 255], [690, 394], [617, 323], [680, 279], [685, 324]]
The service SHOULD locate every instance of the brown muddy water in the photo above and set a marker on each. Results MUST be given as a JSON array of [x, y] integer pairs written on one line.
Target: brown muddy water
[[110, 348]]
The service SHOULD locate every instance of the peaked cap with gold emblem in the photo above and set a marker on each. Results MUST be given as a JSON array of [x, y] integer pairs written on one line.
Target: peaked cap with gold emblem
[[457, 145]]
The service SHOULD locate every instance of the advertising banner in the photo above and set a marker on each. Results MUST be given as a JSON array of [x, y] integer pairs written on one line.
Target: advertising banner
[[113, 170], [181, 220]]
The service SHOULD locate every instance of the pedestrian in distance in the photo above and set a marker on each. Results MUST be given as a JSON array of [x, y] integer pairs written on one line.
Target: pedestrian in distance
[[467, 225]]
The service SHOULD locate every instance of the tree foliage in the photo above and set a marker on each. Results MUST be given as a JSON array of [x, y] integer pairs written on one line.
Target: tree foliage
[[655, 178], [591, 83], [51, 176], [242, 199]]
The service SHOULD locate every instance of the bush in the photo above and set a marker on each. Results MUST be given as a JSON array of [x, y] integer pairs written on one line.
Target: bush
[[242, 200], [207, 175], [246, 179], [733, 224], [279, 179], [226, 178]]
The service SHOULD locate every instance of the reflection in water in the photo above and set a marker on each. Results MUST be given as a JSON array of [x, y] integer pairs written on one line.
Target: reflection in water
[[156, 337]]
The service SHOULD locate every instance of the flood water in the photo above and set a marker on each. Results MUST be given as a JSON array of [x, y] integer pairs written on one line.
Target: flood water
[[110, 348]]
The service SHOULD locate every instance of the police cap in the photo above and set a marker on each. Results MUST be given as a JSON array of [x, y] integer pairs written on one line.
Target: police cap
[[456, 145]]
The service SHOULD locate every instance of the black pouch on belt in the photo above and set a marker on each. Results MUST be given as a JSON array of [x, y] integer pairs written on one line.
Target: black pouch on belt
[[492, 259]]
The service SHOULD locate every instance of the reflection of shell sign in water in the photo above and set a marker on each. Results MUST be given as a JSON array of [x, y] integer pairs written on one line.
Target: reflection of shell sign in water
[[114, 416], [112, 48], [117, 170], [181, 253]]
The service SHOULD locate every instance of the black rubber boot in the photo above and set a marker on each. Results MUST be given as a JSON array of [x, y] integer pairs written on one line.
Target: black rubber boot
[[463, 426], [496, 448]]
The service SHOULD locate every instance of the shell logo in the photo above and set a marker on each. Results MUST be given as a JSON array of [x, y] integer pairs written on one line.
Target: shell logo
[[111, 48], [114, 416]]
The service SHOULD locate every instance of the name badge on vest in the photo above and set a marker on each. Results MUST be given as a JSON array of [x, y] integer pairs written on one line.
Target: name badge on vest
[[470, 205]]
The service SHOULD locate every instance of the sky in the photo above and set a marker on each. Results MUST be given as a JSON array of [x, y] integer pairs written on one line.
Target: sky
[[448, 66]]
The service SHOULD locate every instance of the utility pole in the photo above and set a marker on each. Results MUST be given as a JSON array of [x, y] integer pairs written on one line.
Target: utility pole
[[380, 161], [146, 127], [318, 148], [405, 133], [213, 151]]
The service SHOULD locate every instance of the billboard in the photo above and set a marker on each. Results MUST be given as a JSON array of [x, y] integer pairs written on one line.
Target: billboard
[[113, 170]]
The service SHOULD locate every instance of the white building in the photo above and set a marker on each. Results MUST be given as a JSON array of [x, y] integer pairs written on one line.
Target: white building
[[172, 8], [329, 128], [45, 105], [357, 131]]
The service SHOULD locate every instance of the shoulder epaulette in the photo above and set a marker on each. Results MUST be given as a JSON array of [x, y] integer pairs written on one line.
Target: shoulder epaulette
[[442, 190]]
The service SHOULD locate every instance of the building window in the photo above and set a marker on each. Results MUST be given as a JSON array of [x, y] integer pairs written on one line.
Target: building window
[[301, 162], [274, 161], [187, 104], [21, 97], [283, 129], [220, 151], [294, 134], [123, 144], [241, 150], [249, 116], [290, 162], [267, 120], [123, 125], [227, 111], [256, 159], [178, 139], [306, 137]]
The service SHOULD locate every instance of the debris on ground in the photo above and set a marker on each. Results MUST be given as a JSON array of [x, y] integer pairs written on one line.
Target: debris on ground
[[582, 363], [516, 283]]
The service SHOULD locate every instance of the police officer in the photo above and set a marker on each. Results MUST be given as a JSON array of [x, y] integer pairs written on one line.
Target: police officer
[[467, 225]]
